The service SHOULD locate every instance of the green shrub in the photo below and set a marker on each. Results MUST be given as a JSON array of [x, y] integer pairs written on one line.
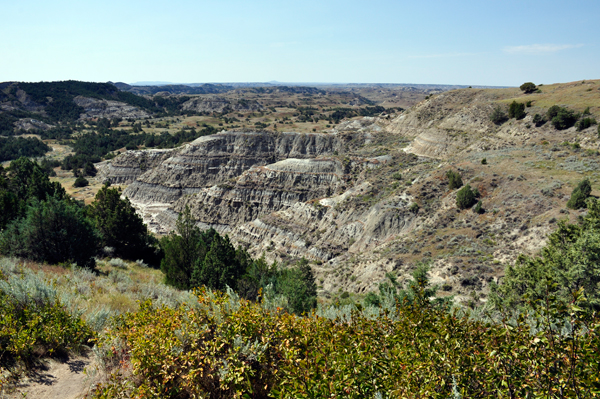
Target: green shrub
[[465, 197], [484, 161], [561, 118], [81, 182], [414, 208], [579, 195], [528, 87], [454, 180], [54, 231], [34, 322], [584, 123], [397, 176], [193, 258], [569, 262], [516, 110], [498, 116], [479, 208]]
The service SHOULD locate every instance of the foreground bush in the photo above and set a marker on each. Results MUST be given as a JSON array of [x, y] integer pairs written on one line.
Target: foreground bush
[[34, 322], [230, 348]]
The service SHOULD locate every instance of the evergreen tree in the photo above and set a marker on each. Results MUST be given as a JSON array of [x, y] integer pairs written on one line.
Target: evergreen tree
[[579, 195], [259, 274], [22, 181], [181, 249], [299, 286], [454, 180], [194, 258], [465, 197], [29, 180], [516, 110], [120, 226], [53, 231], [498, 116], [528, 87]]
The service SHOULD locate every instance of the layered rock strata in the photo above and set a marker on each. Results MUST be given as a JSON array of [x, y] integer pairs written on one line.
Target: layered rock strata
[[97, 108], [124, 169], [216, 159]]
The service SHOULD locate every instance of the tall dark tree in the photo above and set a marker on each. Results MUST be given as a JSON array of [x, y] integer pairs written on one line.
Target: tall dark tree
[[21, 182], [193, 258], [299, 286], [29, 180], [181, 249], [222, 265], [119, 225]]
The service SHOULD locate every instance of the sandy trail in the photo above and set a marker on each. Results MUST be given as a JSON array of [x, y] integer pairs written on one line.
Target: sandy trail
[[60, 380]]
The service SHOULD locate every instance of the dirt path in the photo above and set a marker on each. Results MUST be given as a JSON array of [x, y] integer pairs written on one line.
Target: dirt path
[[61, 380]]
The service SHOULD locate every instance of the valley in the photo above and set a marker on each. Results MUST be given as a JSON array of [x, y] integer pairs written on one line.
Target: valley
[[361, 197], [344, 198]]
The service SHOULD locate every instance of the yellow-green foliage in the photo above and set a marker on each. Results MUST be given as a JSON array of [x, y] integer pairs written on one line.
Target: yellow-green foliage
[[34, 322], [223, 347]]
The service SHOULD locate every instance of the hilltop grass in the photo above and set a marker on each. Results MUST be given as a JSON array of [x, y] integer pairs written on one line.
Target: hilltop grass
[[574, 95]]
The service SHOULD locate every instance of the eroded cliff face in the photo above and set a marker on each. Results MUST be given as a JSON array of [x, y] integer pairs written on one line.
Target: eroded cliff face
[[216, 159], [210, 172], [98, 108], [264, 189], [220, 104], [126, 168]]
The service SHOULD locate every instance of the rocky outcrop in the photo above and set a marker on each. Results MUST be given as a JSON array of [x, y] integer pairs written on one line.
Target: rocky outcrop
[[127, 167], [28, 124], [329, 231], [216, 159], [97, 108], [259, 191], [230, 177], [220, 104]]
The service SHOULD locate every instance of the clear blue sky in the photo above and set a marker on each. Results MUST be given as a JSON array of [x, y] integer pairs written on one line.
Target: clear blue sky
[[483, 42]]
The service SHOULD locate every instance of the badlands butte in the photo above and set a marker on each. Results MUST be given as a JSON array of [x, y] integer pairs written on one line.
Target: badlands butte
[[370, 195]]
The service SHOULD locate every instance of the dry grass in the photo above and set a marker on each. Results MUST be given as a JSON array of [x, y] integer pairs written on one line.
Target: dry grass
[[575, 95], [98, 296]]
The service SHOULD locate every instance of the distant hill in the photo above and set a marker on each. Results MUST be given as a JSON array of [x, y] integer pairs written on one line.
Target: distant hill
[[206, 88]]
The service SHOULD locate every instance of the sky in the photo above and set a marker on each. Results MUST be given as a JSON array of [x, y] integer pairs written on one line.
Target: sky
[[483, 42]]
